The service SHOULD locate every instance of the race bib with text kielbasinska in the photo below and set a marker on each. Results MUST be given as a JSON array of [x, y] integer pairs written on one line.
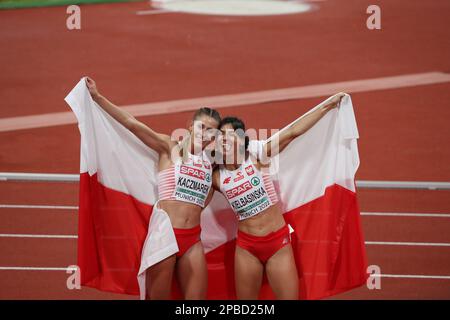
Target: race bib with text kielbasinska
[[245, 191]]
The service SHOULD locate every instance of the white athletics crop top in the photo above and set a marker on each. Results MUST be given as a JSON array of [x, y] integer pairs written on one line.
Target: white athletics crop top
[[188, 182], [248, 190]]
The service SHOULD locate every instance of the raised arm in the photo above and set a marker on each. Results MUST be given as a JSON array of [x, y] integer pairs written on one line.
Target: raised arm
[[300, 126], [161, 143]]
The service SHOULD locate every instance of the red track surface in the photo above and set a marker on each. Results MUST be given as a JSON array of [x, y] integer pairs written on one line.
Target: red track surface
[[137, 59]]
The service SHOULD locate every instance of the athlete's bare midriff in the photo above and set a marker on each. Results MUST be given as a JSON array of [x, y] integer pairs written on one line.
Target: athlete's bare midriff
[[182, 215], [263, 223]]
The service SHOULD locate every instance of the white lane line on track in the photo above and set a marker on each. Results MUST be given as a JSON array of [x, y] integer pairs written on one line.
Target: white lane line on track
[[151, 12], [36, 268], [419, 244], [406, 214], [414, 185], [27, 206], [239, 99], [366, 184], [386, 243], [401, 276], [49, 236], [39, 177], [410, 276], [381, 214]]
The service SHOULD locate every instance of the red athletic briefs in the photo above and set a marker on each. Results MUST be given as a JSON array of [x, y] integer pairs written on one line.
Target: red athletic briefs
[[186, 238], [266, 246]]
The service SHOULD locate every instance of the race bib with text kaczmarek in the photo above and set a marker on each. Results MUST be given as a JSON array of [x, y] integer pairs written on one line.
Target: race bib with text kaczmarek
[[193, 180]]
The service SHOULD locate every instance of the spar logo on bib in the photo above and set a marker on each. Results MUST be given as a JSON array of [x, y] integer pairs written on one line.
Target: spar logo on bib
[[193, 172], [240, 189], [255, 181]]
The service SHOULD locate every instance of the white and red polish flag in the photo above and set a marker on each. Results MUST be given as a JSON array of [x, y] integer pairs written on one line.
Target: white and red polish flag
[[118, 188]]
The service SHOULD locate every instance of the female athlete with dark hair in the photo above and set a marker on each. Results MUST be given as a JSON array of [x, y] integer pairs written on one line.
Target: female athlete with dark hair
[[263, 238]]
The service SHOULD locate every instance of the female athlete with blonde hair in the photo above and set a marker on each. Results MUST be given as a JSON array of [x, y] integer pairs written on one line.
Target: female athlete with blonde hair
[[184, 188]]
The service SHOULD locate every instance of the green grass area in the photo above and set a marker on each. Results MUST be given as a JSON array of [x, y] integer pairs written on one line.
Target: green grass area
[[13, 4]]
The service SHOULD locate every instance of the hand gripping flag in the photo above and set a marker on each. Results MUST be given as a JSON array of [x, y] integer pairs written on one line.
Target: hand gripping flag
[[120, 234]]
